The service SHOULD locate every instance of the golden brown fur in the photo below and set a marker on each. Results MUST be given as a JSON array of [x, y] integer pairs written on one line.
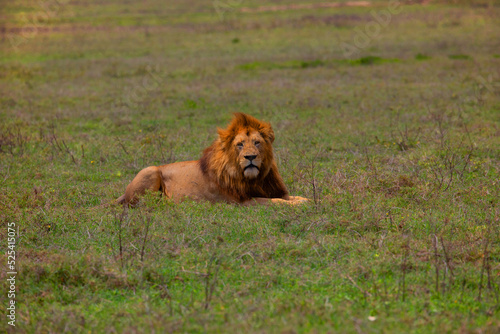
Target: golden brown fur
[[239, 167]]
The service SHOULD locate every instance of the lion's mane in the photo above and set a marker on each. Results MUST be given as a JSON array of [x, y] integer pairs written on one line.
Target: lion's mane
[[219, 162]]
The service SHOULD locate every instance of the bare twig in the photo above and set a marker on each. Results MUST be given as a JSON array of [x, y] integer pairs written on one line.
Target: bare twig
[[119, 225], [313, 181], [69, 152], [436, 261], [194, 272], [6, 175], [405, 261], [365, 293], [485, 263], [169, 296], [123, 147], [148, 223], [370, 163], [210, 285], [447, 258]]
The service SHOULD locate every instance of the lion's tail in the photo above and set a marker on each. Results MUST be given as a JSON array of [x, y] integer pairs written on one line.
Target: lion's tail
[[120, 199]]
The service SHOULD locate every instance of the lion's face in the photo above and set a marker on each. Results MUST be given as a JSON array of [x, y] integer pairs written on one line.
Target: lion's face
[[249, 146]]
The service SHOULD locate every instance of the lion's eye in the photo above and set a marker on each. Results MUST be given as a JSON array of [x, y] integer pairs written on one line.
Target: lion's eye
[[239, 145], [257, 143]]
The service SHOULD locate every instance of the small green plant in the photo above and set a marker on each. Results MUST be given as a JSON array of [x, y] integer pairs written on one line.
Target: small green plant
[[460, 57], [421, 56]]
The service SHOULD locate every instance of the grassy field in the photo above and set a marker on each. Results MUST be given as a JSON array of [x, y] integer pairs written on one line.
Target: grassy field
[[395, 136]]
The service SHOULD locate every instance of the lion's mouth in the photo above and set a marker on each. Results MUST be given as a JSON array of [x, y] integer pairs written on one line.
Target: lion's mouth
[[251, 171], [251, 166]]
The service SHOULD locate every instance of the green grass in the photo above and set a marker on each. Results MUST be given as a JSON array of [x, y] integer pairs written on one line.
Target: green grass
[[398, 146], [463, 57]]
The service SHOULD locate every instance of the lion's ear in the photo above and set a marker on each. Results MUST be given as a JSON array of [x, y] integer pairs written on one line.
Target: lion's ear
[[267, 132]]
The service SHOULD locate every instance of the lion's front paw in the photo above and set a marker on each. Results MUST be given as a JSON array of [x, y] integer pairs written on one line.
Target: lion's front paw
[[295, 200]]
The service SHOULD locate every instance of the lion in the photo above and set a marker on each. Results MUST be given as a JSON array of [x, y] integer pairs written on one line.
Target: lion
[[238, 167]]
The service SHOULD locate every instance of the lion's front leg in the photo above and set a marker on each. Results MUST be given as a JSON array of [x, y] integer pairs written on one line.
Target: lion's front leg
[[298, 200], [293, 200]]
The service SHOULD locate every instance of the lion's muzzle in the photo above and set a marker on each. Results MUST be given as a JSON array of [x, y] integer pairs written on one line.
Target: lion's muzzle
[[252, 166]]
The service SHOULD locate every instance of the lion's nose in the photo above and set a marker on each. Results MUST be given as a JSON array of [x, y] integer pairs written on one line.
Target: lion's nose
[[250, 157]]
